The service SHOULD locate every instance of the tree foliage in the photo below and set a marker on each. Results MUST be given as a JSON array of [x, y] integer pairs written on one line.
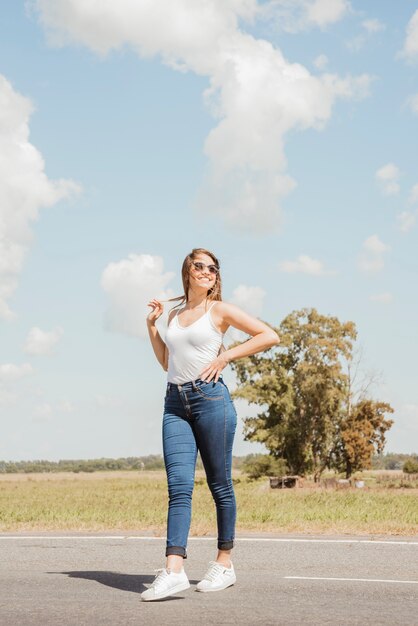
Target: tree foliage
[[303, 387], [362, 433], [150, 462], [411, 466], [257, 465]]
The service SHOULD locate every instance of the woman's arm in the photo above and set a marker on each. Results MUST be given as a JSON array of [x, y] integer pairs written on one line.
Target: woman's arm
[[263, 337], [158, 345]]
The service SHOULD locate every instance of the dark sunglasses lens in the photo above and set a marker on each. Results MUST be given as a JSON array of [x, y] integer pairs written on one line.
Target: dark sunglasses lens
[[200, 267]]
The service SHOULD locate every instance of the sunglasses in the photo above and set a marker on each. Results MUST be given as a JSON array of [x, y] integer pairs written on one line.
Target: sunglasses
[[200, 267]]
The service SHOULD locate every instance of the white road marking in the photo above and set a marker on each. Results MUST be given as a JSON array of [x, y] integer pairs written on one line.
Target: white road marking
[[362, 580], [294, 540], [238, 539], [37, 537]]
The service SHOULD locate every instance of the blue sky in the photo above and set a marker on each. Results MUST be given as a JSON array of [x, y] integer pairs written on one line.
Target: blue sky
[[280, 135]]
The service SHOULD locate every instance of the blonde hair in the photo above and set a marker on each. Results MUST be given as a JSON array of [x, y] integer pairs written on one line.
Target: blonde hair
[[214, 293]]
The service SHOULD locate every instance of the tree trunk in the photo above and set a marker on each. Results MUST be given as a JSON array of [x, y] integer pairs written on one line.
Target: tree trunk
[[348, 469]]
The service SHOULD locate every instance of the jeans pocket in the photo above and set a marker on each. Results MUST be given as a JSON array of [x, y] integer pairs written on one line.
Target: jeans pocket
[[209, 390]]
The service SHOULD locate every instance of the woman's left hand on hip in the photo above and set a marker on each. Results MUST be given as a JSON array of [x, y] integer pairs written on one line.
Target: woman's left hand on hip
[[213, 370]]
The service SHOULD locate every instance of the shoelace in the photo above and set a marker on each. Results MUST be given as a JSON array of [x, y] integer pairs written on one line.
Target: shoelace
[[213, 571], [161, 575]]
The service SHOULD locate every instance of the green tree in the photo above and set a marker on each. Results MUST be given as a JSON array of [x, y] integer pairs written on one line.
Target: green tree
[[312, 415], [302, 385]]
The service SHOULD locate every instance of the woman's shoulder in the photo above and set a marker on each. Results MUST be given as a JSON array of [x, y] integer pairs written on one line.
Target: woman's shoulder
[[224, 309]]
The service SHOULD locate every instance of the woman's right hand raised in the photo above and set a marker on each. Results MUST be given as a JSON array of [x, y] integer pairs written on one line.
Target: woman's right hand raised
[[156, 312]]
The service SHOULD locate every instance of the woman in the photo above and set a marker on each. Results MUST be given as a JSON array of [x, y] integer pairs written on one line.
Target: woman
[[199, 414]]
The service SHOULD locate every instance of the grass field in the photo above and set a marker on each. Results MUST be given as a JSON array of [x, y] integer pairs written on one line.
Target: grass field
[[138, 501]]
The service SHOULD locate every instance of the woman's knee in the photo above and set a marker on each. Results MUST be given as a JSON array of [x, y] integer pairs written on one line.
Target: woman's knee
[[180, 488], [222, 491]]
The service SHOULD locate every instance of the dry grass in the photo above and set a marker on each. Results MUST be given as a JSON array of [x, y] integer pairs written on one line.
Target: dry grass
[[138, 501]]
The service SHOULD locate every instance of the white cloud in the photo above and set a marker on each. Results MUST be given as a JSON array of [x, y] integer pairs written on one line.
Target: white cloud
[[130, 284], [385, 297], [388, 177], [41, 342], [410, 48], [321, 61], [412, 103], [294, 16], [24, 189], [254, 92], [369, 28], [263, 99], [374, 245], [250, 299], [371, 258], [325, 12], [305, 265], [11, 372], [406, 221], [373, 26]]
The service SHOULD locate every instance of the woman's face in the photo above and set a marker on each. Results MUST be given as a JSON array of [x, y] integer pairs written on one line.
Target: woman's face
[[202, 276]]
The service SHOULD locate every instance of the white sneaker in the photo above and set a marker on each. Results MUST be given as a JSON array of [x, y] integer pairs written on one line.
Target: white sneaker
[[217, 577], [166, 583]]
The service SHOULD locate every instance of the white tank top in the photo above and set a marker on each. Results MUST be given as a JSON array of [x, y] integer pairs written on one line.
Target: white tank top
[[191, 348]]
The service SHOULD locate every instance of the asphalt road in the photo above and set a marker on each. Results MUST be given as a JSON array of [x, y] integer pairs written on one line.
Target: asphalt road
[[74, 580]]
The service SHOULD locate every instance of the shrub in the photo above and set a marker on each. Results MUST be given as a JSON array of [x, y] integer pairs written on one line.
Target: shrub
[[257, 465], [411, 466]]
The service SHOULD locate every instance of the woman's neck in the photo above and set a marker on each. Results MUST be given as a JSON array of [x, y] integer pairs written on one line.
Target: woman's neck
[[196, 301]]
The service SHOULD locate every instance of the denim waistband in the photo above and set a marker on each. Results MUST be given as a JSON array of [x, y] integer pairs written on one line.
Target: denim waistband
[[191, 384]]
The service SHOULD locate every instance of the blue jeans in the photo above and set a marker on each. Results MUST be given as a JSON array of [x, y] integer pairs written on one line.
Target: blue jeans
[[198, 416]]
